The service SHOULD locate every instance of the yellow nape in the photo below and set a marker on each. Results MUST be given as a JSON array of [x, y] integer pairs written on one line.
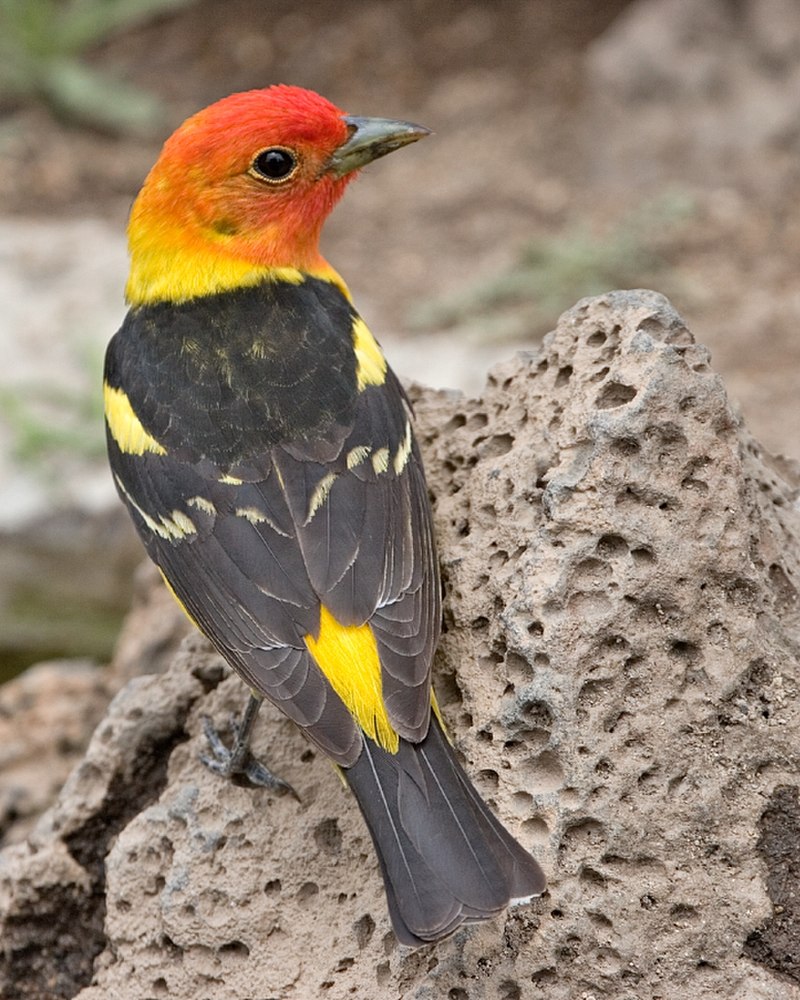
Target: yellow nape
[[192, 276], [157, 275], [125, 426], [370, 362], [348, 656]]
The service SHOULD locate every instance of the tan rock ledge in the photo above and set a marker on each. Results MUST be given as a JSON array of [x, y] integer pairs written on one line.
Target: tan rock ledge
[[619, 669]]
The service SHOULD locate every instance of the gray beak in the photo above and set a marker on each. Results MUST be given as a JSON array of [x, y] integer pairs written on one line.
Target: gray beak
[[371, 138]]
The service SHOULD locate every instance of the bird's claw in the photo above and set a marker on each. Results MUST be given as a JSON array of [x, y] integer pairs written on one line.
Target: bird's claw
[[239, 762]]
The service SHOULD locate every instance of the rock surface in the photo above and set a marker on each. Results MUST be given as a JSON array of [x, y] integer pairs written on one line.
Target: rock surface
[[619, 668], [46, 718]]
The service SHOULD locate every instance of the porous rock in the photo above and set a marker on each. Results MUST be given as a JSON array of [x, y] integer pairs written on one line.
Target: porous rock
[[46, 717], [619, 668]]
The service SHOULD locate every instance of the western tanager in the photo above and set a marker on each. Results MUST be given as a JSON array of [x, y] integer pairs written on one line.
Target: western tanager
[[266, 454]]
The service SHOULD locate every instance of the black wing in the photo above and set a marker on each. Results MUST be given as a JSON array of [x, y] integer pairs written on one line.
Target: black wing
[[253, 547]]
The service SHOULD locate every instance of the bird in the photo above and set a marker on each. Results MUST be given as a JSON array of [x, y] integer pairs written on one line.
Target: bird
[[265, 451]]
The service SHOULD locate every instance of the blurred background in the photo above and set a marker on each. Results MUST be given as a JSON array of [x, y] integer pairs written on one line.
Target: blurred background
[[580, 146]]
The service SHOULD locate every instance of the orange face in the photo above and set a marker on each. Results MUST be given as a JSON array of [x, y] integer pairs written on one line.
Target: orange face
[[244, 187], [247, 175]]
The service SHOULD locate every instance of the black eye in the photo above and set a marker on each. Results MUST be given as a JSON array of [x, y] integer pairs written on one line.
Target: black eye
[[274, 164]]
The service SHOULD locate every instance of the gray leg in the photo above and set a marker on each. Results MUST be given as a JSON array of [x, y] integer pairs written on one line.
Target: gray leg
[[239, 761]]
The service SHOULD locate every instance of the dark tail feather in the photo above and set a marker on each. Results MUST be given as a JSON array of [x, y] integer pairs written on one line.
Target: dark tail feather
[[445, 859]]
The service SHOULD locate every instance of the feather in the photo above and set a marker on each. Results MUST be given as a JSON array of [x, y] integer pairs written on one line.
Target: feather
[[444, 858]]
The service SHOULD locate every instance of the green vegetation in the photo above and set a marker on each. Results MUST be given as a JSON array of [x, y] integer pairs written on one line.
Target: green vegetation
[[42, 45], [554, 272], [49, 421]]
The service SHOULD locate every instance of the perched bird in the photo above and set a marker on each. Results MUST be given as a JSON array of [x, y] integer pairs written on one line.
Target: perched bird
[[265, 452]]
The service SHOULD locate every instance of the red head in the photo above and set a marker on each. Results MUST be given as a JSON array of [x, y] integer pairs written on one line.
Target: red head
[[244, 187]]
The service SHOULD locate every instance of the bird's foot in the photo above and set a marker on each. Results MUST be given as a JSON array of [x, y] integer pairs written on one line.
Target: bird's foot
[[238, 762]]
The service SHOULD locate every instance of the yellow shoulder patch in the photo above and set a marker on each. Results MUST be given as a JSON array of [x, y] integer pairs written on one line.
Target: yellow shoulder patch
[[348, 656], [125, 426], [370, 362]]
